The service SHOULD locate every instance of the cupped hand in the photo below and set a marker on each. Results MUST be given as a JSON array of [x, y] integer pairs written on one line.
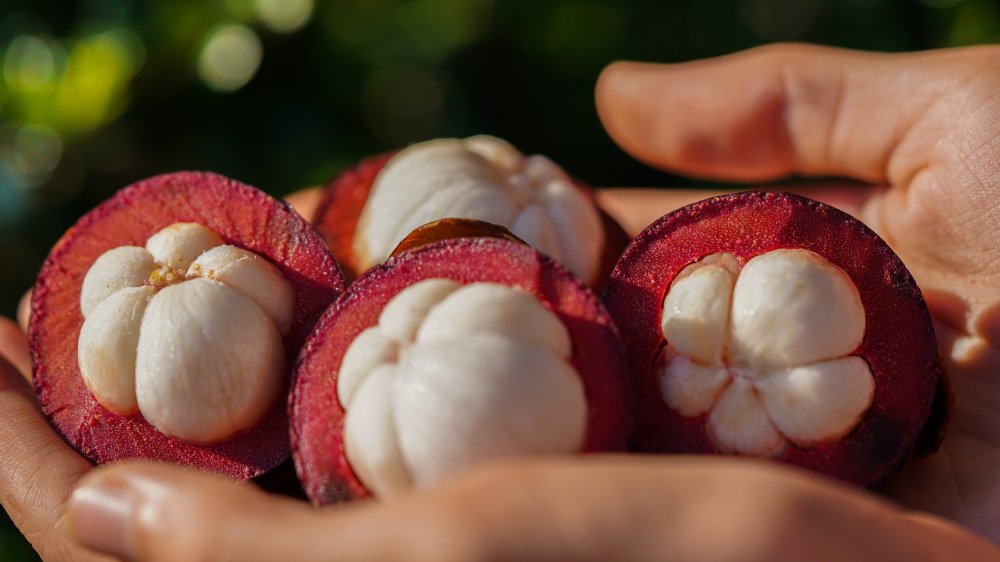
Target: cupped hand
[[925, 129]]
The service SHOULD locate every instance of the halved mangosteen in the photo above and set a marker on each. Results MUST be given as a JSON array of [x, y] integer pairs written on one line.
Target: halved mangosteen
[[449, 354], [367, 210], [767, 324], [165, 322]]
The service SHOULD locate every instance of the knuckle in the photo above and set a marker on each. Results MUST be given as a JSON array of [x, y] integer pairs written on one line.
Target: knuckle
[[172, 531]]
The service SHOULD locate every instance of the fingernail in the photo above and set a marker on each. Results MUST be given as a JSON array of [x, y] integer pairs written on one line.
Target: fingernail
[[99, 517]]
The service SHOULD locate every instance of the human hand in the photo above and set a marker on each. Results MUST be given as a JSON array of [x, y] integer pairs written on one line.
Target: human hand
[[37, 469], [924, 127], [588, 508]]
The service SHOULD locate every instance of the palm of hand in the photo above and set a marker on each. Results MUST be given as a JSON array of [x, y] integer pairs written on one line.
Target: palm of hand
[[940, 215]]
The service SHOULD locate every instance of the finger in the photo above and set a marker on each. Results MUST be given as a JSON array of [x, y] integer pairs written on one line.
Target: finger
[[159, 513], [24, 311], [305, 201], [592, 509], [14, 347], [37, 469], [781, 109]]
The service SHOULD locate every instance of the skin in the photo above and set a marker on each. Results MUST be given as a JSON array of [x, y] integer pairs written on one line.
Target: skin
[[921, 128]]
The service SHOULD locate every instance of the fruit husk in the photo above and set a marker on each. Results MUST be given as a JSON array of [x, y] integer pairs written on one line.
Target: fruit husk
[[345, 195], [316, 414], [243, 216], [909, 408]]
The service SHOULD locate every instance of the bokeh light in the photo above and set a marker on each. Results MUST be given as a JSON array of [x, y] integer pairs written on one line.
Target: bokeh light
[[284, 16], [30, 153], [230, 58], [94, 87], [29, 63]]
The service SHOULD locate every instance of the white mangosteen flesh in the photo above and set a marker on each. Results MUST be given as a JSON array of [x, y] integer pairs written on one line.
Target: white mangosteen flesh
[[483, 178], [453, 375], [765, 351], [186, 331]]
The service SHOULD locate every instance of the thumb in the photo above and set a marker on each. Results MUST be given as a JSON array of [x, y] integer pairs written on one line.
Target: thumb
[[787, 109], [159, 513]]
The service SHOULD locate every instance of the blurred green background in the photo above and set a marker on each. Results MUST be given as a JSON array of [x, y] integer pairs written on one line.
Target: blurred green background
[[281, 94]]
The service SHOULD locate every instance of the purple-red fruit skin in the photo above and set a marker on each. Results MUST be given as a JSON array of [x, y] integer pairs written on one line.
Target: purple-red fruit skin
[[243, 216]]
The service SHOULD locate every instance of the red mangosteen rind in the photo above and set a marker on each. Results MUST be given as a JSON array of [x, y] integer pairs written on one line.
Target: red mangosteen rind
[[243, 216], [317, 416], [340, 207], [899, 344], [345, 195]]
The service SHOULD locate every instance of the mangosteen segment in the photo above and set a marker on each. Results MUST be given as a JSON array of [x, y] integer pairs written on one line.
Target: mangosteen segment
[[195, 346], [765, 350], [481, 178], [453, 375]]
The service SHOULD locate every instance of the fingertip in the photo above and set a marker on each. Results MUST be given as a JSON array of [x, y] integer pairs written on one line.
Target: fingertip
[[99, 515], [622, 77], [609, 82], [153, 511], [24, 311], [117, 508], [621, 96], [715, 118]]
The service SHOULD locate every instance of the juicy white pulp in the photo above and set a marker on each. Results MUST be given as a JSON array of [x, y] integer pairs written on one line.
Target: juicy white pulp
[[481, 178], [452, 375], [764, 351], [187, 331]]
